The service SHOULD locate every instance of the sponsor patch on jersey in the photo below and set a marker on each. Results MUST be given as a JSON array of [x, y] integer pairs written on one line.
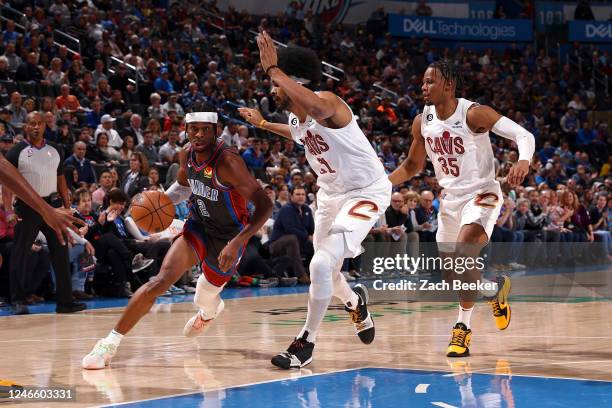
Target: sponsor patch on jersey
[[208, 172]]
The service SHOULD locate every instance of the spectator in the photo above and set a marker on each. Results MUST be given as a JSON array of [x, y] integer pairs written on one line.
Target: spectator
[[570, 123], [28, 70], [162, 84], [81, 164], [423, 9], [55, 76], [292, 233], [14, 61], [155, 111], [107, 153], [66, 100], [94, 116], [192, 96], [18, 112], [98, 73], [168, 151], [134, 129], [120, 80], [148, 148], [253, 156], [127, 148], [116, 107], [106, 183], [106, 126], [600, 224], [395, 218], [427, 218], [173, 105], [583, 11], [136, 179], [230, 135]]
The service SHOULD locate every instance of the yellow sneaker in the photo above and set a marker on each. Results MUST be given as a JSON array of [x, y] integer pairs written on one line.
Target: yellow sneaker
[[500, 305], [458, 346]]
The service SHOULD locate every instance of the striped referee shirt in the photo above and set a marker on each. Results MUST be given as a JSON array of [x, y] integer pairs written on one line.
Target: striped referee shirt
[[39, 165]]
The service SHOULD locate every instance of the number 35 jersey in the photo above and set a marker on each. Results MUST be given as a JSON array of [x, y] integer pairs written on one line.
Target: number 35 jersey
[[462, 159], [343, 159]]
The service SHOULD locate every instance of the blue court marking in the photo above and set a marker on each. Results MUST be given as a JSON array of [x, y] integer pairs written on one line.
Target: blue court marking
[[229, 293], [239, 293], [381, 387]]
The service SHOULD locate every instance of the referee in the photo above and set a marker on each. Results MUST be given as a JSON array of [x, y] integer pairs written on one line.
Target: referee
[[41, 165]]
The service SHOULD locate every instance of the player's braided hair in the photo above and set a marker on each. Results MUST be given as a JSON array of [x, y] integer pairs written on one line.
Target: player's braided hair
[[449, 72]]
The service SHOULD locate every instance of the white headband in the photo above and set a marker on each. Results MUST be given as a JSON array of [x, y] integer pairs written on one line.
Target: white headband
[[209, 117]]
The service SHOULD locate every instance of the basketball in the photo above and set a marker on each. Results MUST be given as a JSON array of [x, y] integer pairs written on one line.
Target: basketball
[[152, 211]]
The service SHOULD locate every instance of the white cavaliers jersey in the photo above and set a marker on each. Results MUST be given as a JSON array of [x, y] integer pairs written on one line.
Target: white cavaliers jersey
[[343, 158], [463, 160]]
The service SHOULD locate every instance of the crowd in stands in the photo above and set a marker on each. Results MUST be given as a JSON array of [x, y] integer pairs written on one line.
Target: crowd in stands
[[120, 126]]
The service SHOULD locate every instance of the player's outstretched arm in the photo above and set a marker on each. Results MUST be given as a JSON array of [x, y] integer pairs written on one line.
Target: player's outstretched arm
[[255, 118], [233, 171], [482, 118], [319, 107], [415, 161], [60, 220]]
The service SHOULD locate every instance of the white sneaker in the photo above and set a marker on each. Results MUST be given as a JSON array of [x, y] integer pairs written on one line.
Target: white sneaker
[[348, 276], [197, 325], [100, 356], [517, 266]]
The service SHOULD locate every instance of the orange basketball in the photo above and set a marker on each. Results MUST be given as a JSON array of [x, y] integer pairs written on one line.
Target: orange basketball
[[152, 210]]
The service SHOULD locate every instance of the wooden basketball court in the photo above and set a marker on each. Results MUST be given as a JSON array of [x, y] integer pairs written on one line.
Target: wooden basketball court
[[567, 339]]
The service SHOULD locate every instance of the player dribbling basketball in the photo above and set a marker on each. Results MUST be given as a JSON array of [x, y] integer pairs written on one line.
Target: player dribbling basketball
[[218, 228], [454, 133]]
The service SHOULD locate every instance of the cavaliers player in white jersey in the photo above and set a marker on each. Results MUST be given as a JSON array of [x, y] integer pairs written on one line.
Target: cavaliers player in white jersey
[[454, 133], [354, 189]]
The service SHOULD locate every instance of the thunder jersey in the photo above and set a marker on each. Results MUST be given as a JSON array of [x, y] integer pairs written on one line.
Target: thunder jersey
[[462, 159], [221, 210], [343, 158]]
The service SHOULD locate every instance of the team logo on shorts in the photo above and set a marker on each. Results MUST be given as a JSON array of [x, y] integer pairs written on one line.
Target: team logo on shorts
[[208, 172], [430, 117], [487, 200]]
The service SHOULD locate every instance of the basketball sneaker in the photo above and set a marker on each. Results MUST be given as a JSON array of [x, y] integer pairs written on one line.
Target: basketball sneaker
[[298, 355], [197, 325], [139, 263], [361, 317], [100, 356], [459, 344], [500, 305]]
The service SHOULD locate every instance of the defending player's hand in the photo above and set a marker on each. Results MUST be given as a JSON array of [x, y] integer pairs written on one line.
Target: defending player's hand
[[267, 50], [228, 255], [60, 220], [518, 172], [251, 115]]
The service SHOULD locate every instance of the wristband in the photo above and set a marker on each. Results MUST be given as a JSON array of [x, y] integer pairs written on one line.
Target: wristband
[[269, 68], [262, 123]]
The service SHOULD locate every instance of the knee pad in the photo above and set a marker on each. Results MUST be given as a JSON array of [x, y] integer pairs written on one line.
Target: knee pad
[[207, 297]]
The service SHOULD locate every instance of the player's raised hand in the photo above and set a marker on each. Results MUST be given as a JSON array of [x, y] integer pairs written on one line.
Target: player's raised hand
[[228, 255], [251, 115], [518, 172], [267, 51]]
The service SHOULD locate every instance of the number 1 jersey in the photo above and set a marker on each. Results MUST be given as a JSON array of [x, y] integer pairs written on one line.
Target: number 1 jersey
[[343, 159], [462, 159]]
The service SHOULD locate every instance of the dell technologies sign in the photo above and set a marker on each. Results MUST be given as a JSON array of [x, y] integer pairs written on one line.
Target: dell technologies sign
[[590, 31], [460, 29]]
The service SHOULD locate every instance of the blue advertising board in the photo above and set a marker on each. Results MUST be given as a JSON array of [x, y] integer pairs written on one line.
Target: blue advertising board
[[460, 29], [590, 31]]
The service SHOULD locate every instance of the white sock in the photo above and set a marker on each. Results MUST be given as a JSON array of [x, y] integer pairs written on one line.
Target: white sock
[[343, 291], [207, 297], [114, 338], [465, 315], [316, 313], [489, 292]]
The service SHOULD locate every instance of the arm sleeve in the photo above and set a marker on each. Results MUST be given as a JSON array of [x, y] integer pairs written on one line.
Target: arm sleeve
[[513, 131], [133, 229], [178, 193]]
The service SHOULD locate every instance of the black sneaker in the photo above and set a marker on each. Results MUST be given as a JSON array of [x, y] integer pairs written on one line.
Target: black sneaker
[[19, 308], [362, 319], [71, 307], [297, 355]]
